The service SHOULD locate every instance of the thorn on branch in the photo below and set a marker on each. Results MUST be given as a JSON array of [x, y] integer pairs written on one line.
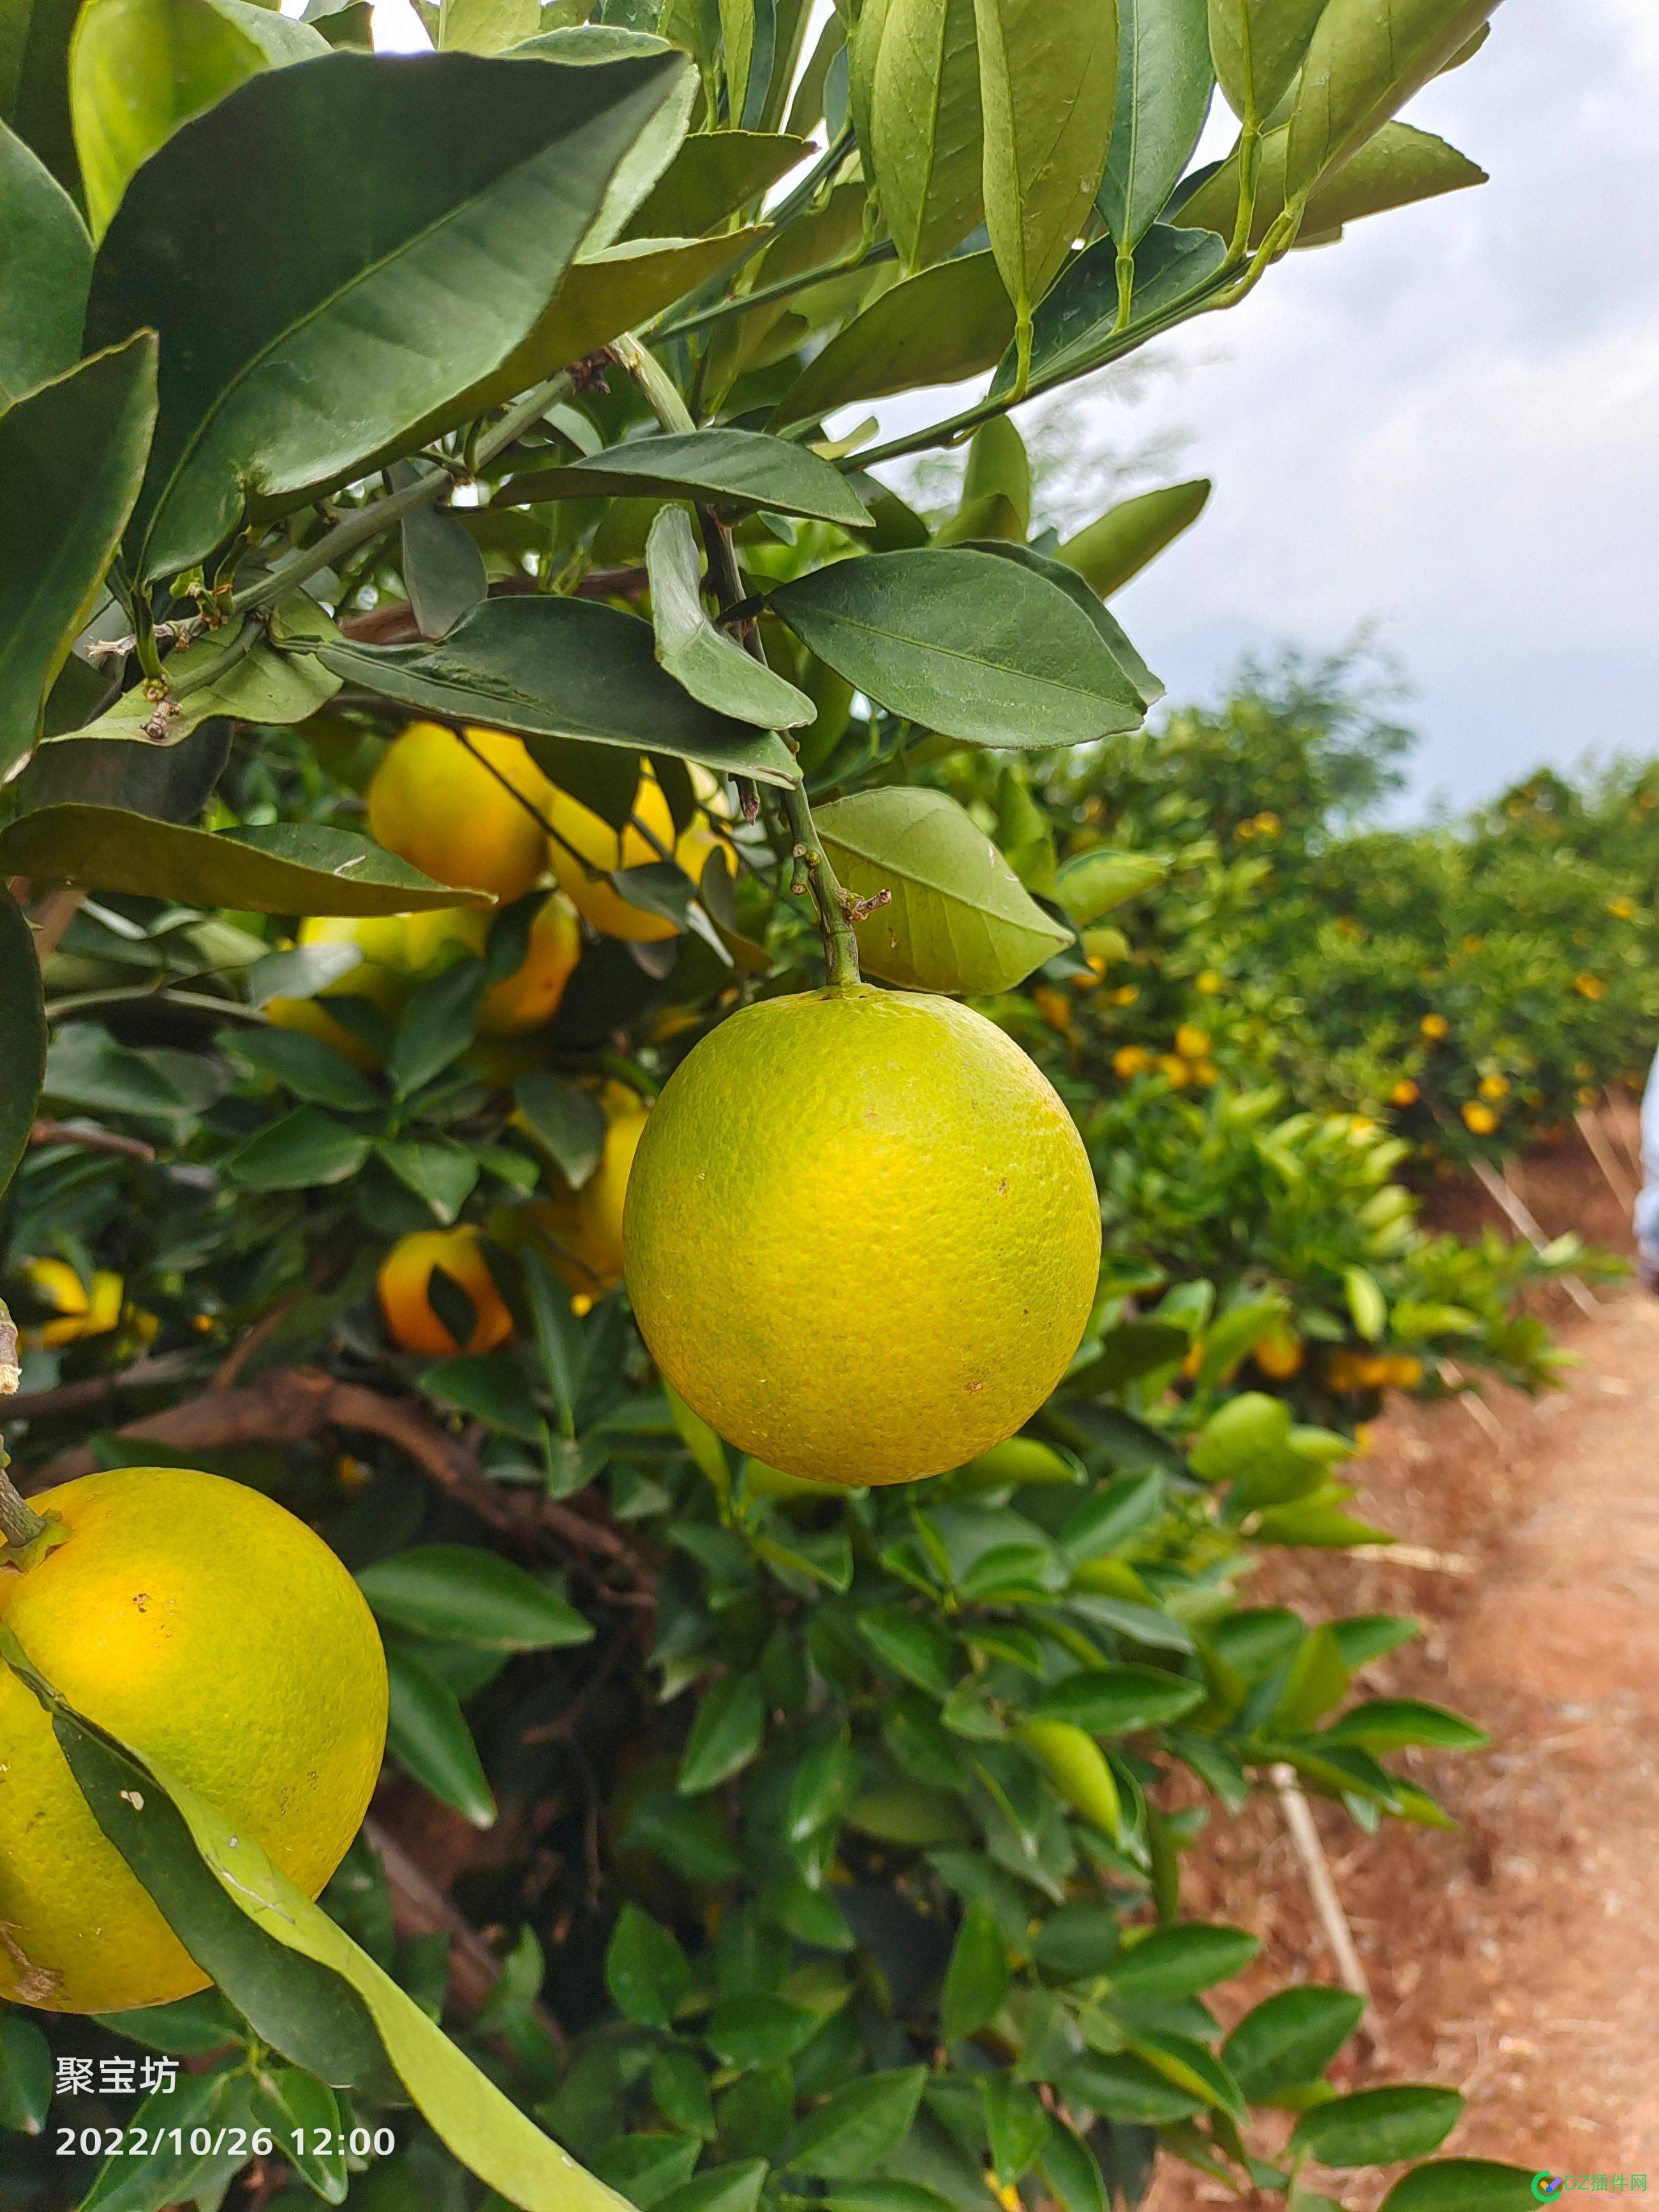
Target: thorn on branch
[[860, 910]]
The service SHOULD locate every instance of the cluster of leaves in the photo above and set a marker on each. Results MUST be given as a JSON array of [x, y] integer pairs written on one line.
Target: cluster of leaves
[[846, 1817]]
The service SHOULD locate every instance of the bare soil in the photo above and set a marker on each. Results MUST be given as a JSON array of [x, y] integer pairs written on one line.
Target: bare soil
[[1517, 1959]]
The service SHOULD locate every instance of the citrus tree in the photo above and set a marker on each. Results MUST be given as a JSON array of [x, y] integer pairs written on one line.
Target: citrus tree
[[443, 446]]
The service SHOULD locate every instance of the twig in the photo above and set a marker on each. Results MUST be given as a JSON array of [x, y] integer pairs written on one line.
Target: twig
[[53, 915], [230, 1368], [1517, 1213], [92, 1140], [419, 1907], [98, 1389], [1328, 1904], [1595, 1137], [1417, 1555], [20, 1528]]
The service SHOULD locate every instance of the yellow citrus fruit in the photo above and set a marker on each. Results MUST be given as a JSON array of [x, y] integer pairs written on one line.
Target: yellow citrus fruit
[[1494, 1086], [862, 1234], [1192, 1043], [1130, 1060], [204, 1626], [524, 1000], [585, 1227], [452, 811], [1280, 1354], [1434, 1025], [1479, 1118], [584, 842], [381, 976], [81, 1311], [1405, 1092], [1055, 1007], [405, 1283]]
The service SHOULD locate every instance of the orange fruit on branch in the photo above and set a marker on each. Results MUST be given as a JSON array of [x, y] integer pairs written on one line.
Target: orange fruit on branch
[[862, 1237], [467, 813], [202, 1625], [405, 1283]]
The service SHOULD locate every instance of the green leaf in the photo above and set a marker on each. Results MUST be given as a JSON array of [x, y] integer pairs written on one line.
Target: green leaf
[[286, 867], [568, 1123], [1374, 2127], [34, 39], [1075, 329], [464, 1595], [493, 1388], [725, 1735], [1164, 80], [1048, 85], [1073, 2172], [140, 68], [1317, 1526], [444, 571], [1318, 1679], [1178, 1962], [859, 2127], [722, 2188], [976, 1980], [1109, 1515], [307, 1149], [1366, 1303], [71, 458], [1366, 59], [312, 1069], [1092, 884], [1184, 2061], [925, 124], [443, 1176], [45, 264], [1146, 687], [437, 1024], [950, 322], [1463, 2185], [708, 662], [711, 176], [427, 1733], [305, 2116], [1257, 47], [24, 1025], [958, 920], [1389, 1723], [174, 1843], [1132, 533], [563, 668], [744, 469], [26, 2075], [753, 2029], [1119, 1700], [920, 1651], [1126, 2087], [1398, 168], [973, 646], [179, 2128], [647, 2166], [645, 1969], [475, 179], [1290, 2038]]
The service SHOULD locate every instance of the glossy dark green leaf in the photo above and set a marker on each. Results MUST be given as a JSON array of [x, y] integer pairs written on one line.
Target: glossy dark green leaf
[[647, 2166], [185, 2130], [1073, 2172], [1049, 89], [436, 1027], [1389, 1723], [963, 642], [945, 324], [71, 460], [703, 659], [493, 1388], [926, 127], [34, 43], [735, 2187], [976, 1980], [1290, 2038], [1109, 552], [711, 176], [26, 2075], [1463, 2185], [562, 668], [1125, 2087], [859, 2127], [140, 68], [1119, 1700], [645, 1969], [568, 1122], [286, 867], [427, 1733], [725, 1735], [959, 918], [311, 1068], [1374, 2127], [464, 1595], [1257, 47], [443, 1176], [307, 1149], [1076, 328], [1398, 168], [735, 468], [1147, 688], [1365, 60], [295, 346], [24, 1025], [1164, 83], [45, 264], [444, 571], [1109, 1515], [172, 782], [304, 2115], [1179, 1961], [751, 2028]]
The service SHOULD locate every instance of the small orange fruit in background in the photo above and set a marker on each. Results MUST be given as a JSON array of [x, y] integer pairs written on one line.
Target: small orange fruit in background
[[449, 809], [584, 1228], [201, 1623], [405, 1285], [584, 842]]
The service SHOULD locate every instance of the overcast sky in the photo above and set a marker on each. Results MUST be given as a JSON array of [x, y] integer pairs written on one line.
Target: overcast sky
[[1447, 427]]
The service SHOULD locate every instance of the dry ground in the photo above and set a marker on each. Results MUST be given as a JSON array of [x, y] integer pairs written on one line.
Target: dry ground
[[1518, 1959]]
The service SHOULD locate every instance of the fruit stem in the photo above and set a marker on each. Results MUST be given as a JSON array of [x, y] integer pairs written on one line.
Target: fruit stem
[[841, 948], [20, 1524]]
